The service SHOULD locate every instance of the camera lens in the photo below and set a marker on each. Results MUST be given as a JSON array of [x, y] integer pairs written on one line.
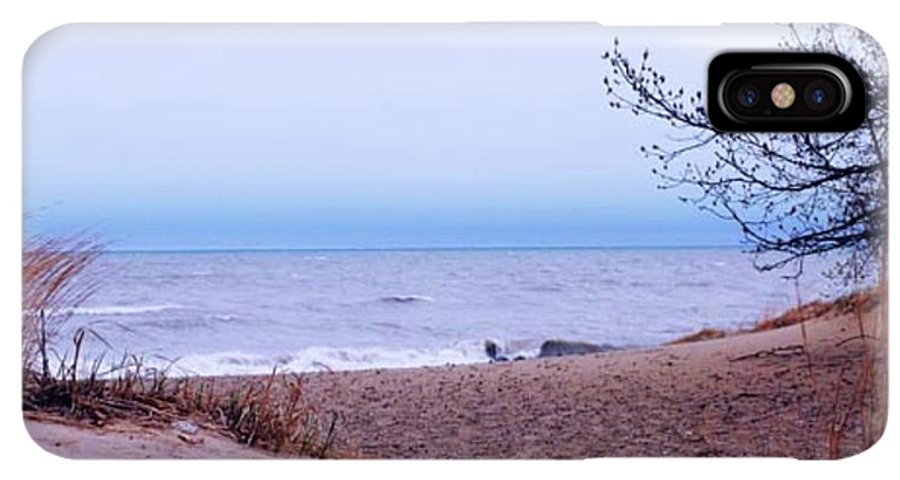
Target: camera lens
[[818, 96], [821, 95], [748, 96]]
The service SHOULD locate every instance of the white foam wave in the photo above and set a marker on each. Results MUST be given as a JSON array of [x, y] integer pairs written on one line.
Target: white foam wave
[[123, 309], [317, 359]]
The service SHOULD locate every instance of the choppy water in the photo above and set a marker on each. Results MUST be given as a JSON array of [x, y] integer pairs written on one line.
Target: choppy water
[[245, 312]]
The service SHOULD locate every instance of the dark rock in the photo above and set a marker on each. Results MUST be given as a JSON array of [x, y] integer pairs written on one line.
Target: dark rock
[[493, 351], [490, 349], [559, 348]]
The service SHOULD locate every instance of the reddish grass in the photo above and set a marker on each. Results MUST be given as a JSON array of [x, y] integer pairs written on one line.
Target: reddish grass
[[858, 302], [705, 334]]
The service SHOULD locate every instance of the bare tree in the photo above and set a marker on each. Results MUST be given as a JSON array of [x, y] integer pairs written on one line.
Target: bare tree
[[794, 195]]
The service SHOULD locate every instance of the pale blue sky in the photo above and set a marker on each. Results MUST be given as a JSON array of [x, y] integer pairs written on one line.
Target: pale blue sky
[[352, 136]]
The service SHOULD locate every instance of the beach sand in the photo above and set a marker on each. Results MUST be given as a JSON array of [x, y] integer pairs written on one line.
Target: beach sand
[[131, 440], [768, 393]]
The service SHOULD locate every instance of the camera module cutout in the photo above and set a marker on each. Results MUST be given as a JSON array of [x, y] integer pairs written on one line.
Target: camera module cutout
[[778, 91]]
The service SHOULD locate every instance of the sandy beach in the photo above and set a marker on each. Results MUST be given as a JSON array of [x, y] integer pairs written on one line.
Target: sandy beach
[[460, 241], [767, 393]]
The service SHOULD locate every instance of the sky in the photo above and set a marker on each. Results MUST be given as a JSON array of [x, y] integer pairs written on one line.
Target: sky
[[279, 136]]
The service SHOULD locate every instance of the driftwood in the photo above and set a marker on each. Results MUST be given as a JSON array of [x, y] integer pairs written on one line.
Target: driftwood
[[857, 337], [786, 351]]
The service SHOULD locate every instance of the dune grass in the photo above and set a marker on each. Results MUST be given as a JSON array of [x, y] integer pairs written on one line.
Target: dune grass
[[272, 414], [53, 283], [856, 303], [702, 335]]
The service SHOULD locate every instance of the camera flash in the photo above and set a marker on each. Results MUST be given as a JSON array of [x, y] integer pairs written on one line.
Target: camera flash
[[783, 95]]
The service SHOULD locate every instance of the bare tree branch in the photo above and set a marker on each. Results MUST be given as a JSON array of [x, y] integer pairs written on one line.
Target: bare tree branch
[[794, 195]]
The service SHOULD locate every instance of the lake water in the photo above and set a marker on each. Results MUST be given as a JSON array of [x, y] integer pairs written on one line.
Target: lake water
[[246, 312]]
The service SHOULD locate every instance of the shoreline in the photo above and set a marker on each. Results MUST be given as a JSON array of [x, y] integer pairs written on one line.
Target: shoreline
[[761, 393]]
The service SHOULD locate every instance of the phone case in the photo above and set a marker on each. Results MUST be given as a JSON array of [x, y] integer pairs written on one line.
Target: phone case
[[429, 241]]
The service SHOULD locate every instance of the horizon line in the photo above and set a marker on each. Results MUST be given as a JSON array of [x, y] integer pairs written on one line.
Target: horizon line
[[271, 249]]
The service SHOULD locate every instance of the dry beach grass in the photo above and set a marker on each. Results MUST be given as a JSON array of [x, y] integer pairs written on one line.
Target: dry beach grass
[[271, 414]]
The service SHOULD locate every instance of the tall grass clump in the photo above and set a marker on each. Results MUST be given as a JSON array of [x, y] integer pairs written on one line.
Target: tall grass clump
[[272, 414], [275, 416], [53, 284]]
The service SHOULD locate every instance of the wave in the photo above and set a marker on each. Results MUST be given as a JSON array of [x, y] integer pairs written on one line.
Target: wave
[[407, 299], [114, 310], [324, 359], [201, 273], [390, 325], [209, 322], [318, 359]]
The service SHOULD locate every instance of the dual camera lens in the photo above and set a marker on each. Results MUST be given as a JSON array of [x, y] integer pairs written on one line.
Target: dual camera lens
[[784, 91], [786, 95], [820, 95]]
